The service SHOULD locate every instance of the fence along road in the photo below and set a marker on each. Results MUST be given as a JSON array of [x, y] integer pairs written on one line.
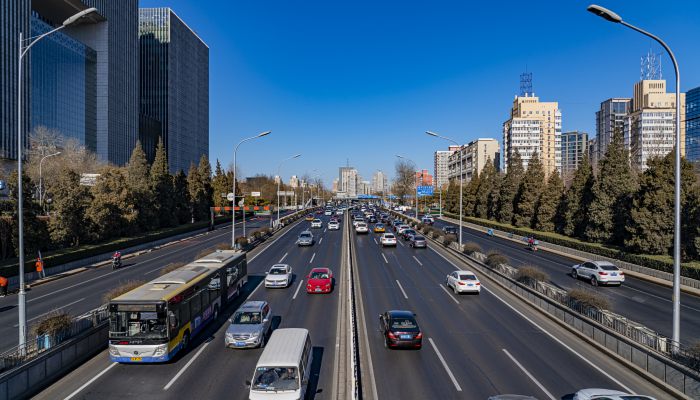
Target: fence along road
[[473, 346], [212, 370]]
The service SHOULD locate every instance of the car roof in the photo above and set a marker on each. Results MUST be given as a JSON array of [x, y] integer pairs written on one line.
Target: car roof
[[599, 392], [284, 348], [464, 271], [600, 263], [400, 314], [252, 305]]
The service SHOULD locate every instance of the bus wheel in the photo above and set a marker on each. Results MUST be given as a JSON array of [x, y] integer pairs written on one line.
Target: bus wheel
[[185, 340]]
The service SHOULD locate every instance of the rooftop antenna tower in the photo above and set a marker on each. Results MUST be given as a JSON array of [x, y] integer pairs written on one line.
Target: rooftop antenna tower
[[650, 67], [526, 84]]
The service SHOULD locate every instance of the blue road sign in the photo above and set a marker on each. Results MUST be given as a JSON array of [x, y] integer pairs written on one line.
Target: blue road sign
[[425, 191]]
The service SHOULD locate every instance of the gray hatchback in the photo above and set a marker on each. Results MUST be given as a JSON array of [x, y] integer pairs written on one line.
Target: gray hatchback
[[250, 325], [417, 240]]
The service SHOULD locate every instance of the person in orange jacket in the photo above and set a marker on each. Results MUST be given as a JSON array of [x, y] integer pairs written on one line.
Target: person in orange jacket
[[40, 268], [3, 286]]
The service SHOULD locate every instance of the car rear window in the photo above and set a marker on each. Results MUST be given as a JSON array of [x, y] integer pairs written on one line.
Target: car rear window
[[403, 323], [418, 238], [467, 277], [389, 236], [609, 267]]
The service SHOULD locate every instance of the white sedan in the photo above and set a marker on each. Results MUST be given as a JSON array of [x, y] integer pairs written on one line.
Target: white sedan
[[280, 275], [361, 227], [598, 273], [388, 239], [333, 226], [316, 223], [463, 282]]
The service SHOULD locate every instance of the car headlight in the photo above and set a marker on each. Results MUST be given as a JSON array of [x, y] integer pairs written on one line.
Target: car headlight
[[113, 351], [160, 350], [254, 335]]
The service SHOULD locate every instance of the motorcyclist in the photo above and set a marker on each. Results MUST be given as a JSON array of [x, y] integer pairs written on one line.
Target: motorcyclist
[[117, 259], [489, 232]]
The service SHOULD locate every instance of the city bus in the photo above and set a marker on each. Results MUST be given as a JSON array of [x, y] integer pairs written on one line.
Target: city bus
[[153, 322]]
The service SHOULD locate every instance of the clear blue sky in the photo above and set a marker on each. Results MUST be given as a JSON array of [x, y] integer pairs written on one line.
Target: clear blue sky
[[362, 80]]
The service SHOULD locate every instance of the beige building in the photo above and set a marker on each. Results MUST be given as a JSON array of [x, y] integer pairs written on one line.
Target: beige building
[[441, 160], [650, 127], [533, 126], [473, 156]]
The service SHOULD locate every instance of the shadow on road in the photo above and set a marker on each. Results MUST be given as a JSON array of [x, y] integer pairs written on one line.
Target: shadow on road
[[313, 389]]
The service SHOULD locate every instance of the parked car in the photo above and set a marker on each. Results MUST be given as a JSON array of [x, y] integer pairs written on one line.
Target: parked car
[[463, 282], [598, 273], [279, 275], [417, 240], [250, 325], [388, 239], [400, 329], [319, 280], [361, 227], [607, 394], [316, 223], [306, 238]]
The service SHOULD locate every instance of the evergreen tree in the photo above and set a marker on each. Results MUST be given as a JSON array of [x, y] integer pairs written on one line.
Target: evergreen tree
[[572, 213], [112, 213], [612, 194], [452, 197], [548, 202], [509, 188], [71, 200], [195, 189], [139, 183], [528, 193], [690, 237], [471, 191], [35, 232], [206, 197], [486, 185], [162, 188], [181, 198], [494, 195], [221, 185], [651, 225]]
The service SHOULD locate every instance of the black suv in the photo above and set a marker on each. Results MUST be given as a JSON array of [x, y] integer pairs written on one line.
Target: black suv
[[450, 229]]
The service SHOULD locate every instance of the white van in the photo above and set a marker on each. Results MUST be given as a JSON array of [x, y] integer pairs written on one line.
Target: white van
[[284, 367]]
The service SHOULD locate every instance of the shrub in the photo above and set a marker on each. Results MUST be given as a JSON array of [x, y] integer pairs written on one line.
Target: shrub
[[120, 290], [448, 239], [587, 299], [425, 230], [529, 275], [494, 259], [470, 248], [171, 267], [241, 241], [53, 323]]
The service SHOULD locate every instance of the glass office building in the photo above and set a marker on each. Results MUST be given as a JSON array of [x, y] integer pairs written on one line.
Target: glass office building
[[692, 125], [574, 145]]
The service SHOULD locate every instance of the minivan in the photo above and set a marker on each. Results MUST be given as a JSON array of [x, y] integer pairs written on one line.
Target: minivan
[[284, 367]]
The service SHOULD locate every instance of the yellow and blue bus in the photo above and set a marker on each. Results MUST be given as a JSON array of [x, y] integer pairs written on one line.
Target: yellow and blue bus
[[151, 323]]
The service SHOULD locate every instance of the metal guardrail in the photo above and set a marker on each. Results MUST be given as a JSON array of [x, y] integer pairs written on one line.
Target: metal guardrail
[[38, 344]]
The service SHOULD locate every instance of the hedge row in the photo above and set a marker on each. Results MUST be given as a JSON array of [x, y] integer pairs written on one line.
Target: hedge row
[[618, 254]]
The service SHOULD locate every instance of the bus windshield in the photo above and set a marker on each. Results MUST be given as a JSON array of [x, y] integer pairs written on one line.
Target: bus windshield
[[275, 379], [138, 325]]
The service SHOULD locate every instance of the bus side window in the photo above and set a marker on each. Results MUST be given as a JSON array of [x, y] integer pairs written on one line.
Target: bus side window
[[195, 305], [184, 313], [204, 297]]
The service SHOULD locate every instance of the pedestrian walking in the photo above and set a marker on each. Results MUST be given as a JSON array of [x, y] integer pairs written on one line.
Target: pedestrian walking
[[40, 267], [3, 286]]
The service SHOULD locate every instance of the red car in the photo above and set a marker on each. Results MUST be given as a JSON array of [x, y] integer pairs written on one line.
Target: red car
[[319, 280]]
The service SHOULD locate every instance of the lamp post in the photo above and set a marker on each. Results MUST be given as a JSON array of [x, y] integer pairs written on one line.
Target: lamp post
[[22, 52], [41, 197], [233, 209], [411, 161], [613, 17], [460, 181], [278, 184]]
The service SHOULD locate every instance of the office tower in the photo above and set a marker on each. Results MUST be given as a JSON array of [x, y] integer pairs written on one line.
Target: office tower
[[379, 182], [440, 167], [174, 88], [474, 157], [609, 119], [348, 181], [574, 145], [692, 125]]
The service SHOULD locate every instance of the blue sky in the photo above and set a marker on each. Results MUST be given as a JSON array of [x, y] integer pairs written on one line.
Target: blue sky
[[362, 80]]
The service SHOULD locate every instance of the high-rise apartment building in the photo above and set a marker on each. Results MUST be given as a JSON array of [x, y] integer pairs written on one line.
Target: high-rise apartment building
[[473, 157], [440, 167], [379, 182], [533, 126], [649, 130], [174, 88], [293, 182], [348, 181], [334, 188], [423, 178], [609, 119], [692, 125], [574, 145], [81, 81]]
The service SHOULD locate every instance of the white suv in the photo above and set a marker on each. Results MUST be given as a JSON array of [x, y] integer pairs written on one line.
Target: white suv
[[598, 272], [388, 239]]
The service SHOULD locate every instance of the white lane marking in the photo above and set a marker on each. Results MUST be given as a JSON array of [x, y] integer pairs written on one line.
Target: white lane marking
[[375, 241], [448, 293], [88, 383], [312, 258], [402, 291], [182, 371], [444, 364], [385, 260], [297, 292], [579, 355], [398, 240], [320, 241], [418, 261], [324, 231], [282, 259], [660, 298], [529, 375], [48, 312]]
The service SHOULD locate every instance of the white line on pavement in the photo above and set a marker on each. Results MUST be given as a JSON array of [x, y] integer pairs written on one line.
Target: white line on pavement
[[444, 364], [402, 291], [297, 292], [660, 298], [375, 241], [324, 231], [320, 241], [385, 260], [88, 383], [283, 257], [63, 306], [398, 240], [529, 375], [448, 293], [312, 258], [182, 371], [418, 261]]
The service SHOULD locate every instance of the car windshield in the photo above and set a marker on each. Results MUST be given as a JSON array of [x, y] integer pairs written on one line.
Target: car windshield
[[467, 277], [379, 226], [278, 271], [409, 231], [317, 220], [403, 324], [137, 325], [609, 267], [319, 275], [305, 236], [389, 236], [247, 318], [275, 379]]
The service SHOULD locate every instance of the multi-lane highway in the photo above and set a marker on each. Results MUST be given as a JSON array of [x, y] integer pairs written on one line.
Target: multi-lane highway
[[641, 301], [208, 369], [474, 346]]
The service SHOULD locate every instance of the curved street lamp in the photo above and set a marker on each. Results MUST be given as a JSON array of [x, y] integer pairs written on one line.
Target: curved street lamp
[[460, 179]]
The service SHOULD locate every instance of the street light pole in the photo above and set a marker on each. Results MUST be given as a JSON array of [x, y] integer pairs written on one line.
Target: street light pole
[[41, 197], [278, 184], [233, 208], [460, 179], [613, 17], [22, 51]]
